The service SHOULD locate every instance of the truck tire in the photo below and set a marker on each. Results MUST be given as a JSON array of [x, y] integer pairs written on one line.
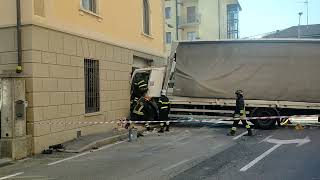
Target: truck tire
[[264, 112]]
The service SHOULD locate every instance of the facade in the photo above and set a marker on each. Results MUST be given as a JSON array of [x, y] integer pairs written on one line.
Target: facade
[[201, 20], [77, 56], [311, 31]]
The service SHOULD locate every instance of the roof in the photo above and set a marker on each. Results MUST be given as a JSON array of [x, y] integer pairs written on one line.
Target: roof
[[307, 31]]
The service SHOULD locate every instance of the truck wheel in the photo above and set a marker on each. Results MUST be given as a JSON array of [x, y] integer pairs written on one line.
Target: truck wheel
[[264, 112]]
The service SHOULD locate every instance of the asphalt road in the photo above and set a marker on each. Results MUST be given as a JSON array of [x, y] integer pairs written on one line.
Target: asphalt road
[[188, 152]]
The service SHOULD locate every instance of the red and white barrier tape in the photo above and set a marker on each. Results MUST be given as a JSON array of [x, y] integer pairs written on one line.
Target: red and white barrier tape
[[124, 121]]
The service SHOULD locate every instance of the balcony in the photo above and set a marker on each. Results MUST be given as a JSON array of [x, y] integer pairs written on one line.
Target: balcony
[[189, 21]]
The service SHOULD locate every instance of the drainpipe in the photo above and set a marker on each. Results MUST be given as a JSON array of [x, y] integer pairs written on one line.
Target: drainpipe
[[19, 67], [219, 20], [177, 24]]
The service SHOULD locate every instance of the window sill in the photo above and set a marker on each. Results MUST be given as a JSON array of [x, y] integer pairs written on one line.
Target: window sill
[[147, 35], [93, 114], [82, 11]]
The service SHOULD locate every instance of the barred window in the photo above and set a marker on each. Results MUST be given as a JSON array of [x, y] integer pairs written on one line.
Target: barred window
[[146, 17], [92, 89], [90, 5]]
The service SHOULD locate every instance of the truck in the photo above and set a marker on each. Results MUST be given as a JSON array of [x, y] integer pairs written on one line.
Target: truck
[[279, 77]]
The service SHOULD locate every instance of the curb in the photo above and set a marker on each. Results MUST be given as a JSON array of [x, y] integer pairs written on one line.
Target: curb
[[6, 162]]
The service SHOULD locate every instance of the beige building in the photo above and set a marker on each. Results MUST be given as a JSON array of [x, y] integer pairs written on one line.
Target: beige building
[[76, 57], [201, 20]]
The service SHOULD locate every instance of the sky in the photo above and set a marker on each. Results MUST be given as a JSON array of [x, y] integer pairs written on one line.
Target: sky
[[263, 16]]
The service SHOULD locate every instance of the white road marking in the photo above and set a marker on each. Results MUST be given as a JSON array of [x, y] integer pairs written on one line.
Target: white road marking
[[237, 137], [176, 165], [299, 142], [252, 163], [85, 153], [10, 176]]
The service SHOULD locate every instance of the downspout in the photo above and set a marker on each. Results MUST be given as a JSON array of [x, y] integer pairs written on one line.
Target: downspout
[[177, 24], [219, 20], [19, 67]]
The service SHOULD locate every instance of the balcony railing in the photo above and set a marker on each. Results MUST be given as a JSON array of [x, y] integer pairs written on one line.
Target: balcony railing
[[189, 21]]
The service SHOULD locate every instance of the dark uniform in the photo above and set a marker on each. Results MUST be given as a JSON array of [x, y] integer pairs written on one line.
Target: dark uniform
[[143, 111], [240, 113], [164, 109], [139, 88]]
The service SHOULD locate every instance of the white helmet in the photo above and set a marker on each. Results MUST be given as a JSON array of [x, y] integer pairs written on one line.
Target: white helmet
[[163, 92]]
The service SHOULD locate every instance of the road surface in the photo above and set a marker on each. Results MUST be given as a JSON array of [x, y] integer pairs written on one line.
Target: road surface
[[188, 152]]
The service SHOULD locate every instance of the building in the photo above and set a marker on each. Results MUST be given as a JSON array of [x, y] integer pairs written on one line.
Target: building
[[76, 58], [306, 31], [201, 20]]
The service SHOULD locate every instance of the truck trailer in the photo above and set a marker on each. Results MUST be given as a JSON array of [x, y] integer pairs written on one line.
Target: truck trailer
[[278, 77]]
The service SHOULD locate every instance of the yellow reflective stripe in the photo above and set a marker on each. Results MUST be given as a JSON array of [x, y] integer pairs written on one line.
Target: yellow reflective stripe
[[137, 112], [164, 107], [233, 128], [140, 82], [164, 102], [143, 85], [248, 126], [242, 111]]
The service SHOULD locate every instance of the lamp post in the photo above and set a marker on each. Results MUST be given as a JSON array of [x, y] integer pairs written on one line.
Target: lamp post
[[299, 26]]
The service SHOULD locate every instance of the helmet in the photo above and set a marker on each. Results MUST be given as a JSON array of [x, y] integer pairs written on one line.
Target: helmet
[[240, 92], [163, 92]]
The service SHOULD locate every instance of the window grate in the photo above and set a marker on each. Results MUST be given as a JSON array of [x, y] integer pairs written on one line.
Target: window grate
[[92, 89]]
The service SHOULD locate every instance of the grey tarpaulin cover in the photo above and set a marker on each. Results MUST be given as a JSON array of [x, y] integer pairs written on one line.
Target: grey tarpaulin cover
[[283, 70]]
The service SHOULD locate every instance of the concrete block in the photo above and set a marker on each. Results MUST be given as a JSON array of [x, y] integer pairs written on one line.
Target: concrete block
[[38, 99], [111, 115], [49, 85], [31, 56], [8, 58], [63, 59], [58, 125], [49, 58], [64, 85], [8, 39], [40, 70], [77, 61], [71, 122], [92, 49], [26, 41], [80, 73], [33, 85], [65, 110], [117, 54], [78, 109], [82, 47], [56, 98], [100, 51], [50, 112], [110, 75], [56, 42], [41, 128], [71, 98], [78, 85], [106, 106], [81, 97], [124, 56], [115, 105], [69, 45], [35, 114], [40, 38], [130, 57]]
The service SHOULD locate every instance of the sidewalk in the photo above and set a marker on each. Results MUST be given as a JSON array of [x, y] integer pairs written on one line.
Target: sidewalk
[[85, 143], [5, 161]]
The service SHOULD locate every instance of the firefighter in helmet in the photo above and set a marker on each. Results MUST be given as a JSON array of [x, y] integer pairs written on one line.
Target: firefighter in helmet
[[164, 109], [240, 114]]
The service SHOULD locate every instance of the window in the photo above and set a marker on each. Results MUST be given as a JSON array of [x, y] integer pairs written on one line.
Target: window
[[146, 17], [89, 5], [168, 12], [168, 38], [92, 89], [233, 21], [191, 14], [191, 36]]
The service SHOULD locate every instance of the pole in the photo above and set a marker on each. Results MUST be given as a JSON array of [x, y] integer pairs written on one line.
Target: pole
[[307, 2], [177, 21], [299, 29], [18, 9]]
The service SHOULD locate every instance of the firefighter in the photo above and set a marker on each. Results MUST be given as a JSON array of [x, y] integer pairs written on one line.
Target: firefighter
[[164, 109], [240, 114], [139, 88], [143, 111]]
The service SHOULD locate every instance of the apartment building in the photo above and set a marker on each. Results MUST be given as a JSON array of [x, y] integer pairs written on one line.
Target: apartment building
[[76, 57], [201, 20]]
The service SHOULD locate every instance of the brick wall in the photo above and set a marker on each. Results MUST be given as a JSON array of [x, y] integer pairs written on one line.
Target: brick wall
[[54, 62]]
